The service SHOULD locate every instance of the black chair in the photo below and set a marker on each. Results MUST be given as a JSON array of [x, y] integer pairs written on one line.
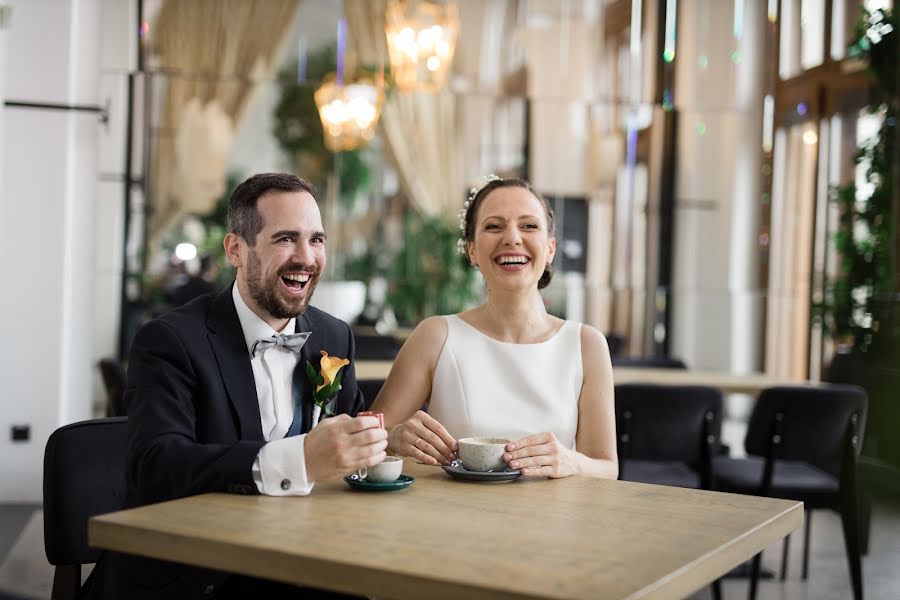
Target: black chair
[[648, 362], [84, 475], [668, 434], [370, 389], [114, 380], [376, 347], [803, 444], [616, 344]]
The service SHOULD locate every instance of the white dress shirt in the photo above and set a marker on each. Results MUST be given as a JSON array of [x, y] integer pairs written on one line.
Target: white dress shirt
[[280, 466]]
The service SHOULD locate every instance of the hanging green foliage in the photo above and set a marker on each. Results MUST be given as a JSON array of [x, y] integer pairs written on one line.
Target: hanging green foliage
[[862, 306], [298, 129], [428, 277]]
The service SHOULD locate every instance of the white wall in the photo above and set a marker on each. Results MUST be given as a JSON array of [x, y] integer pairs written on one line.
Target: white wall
[[48, 200]]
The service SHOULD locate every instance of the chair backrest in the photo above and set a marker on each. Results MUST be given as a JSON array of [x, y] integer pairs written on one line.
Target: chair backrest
[[813, 422], [369, 389], [667, 422], [648, 362], [616, 344], [84, 475], [114, 381], [376, 347]]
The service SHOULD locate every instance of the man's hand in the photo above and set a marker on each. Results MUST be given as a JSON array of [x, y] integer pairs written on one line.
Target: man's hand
[[343, 444]]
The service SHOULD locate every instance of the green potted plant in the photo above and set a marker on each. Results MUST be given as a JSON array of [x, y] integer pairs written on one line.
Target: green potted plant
[[428, 276]]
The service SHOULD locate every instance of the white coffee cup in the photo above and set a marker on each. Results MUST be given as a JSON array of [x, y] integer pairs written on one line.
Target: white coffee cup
[[483, 454], [386, 471]]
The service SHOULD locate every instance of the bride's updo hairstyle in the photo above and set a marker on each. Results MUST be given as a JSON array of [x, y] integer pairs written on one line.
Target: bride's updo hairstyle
[[470, 212]]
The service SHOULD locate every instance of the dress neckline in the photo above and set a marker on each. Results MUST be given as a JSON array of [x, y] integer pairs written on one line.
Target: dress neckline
[[495, 340]]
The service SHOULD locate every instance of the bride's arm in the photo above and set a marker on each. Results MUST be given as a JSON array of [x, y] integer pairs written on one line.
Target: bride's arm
[[596, 437], [408, 388]]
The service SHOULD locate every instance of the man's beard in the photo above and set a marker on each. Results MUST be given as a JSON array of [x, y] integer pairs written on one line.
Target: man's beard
[[266, 293]]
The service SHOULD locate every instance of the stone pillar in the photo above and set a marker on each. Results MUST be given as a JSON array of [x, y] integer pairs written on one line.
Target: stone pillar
[[719, 93]]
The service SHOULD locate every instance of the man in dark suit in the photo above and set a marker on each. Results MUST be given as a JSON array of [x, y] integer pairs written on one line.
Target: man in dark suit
[[217, 390]]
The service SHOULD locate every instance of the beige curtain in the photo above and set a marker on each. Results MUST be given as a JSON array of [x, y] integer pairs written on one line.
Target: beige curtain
[[420, 130], [214, 54]]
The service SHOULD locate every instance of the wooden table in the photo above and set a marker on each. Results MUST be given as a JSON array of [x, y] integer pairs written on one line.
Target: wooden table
[[440, 538], [729, 383], [751, 383]]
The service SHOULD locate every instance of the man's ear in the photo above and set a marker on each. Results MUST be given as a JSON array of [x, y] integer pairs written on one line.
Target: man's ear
[[233, 243]]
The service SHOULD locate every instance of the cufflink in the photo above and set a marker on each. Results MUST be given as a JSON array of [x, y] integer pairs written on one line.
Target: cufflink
[[285, 484]]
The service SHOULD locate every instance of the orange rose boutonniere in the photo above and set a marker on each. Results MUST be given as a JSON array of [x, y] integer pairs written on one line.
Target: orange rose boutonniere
[[327, 383]]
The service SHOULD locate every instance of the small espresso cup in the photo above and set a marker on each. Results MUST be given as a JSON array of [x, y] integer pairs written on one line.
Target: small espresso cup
[[386, 471], [483, 454], [363, 473]]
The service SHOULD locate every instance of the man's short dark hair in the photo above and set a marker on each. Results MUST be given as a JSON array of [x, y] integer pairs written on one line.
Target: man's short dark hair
[[243, 217]]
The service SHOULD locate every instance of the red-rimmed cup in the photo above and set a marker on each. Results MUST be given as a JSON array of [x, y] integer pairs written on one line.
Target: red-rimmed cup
[[373, 413], [363, 473]]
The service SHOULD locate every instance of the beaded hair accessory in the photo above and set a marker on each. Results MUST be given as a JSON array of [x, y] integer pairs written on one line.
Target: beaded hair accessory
[[461, 242]]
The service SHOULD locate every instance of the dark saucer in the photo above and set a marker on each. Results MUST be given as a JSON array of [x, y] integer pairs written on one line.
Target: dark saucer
[[403, 482], [457, 471]]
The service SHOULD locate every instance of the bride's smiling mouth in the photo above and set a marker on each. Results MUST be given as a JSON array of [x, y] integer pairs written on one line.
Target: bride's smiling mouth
[[512, 262]]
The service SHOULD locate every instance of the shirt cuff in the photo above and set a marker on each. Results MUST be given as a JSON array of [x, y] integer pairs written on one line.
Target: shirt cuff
[[280, 468]]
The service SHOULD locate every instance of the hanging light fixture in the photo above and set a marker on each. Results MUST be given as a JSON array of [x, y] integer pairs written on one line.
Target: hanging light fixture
[[349, 112], [421, 39]]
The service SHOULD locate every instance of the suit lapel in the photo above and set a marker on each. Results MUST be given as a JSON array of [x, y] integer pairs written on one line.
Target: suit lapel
[[227, 340], [301, 384]]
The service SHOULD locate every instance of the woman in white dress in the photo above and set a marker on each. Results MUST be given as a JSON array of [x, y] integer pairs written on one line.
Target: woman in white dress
[[506, 368]]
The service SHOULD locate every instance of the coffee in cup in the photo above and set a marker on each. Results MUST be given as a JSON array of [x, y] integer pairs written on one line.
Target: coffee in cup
[[483, 454]]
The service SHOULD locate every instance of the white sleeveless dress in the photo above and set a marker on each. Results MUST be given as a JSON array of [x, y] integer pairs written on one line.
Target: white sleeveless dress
[[483, 387]]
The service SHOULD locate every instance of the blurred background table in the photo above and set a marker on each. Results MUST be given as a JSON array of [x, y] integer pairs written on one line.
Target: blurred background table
[[750, 383], [531, 538]]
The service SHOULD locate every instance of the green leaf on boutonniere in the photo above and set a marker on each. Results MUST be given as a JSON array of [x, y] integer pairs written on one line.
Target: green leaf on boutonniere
[[311, 373]]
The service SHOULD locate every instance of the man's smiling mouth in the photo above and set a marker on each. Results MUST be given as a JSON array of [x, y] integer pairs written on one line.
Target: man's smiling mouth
[[296, 281]]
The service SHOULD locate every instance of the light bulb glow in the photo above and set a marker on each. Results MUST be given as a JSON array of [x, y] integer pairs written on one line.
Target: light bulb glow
[[186, 251]]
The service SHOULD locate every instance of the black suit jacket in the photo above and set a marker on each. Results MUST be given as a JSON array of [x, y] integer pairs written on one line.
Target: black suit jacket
[[194, 423]]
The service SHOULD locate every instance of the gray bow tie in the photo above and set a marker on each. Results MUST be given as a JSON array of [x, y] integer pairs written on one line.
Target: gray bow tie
[[290, 341]]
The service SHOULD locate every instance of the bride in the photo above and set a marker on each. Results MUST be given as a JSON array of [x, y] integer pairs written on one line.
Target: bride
[[506, 368]]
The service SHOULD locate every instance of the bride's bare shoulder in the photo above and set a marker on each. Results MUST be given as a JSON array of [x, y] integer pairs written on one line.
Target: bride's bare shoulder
[[428, 332]]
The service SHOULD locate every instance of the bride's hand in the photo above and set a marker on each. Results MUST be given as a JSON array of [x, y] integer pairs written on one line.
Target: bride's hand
[[541, 455], [423, 438]]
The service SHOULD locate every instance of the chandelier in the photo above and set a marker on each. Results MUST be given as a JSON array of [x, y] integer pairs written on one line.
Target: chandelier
[[349, 112], [421, 39]]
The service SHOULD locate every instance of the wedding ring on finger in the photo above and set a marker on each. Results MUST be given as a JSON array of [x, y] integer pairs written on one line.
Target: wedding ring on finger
[[418, 439]]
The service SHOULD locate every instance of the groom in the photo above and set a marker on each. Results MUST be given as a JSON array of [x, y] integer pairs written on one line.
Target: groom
[[217, 389]]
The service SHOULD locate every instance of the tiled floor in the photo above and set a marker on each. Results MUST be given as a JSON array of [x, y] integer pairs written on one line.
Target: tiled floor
[[828, 575], [12, 519]]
